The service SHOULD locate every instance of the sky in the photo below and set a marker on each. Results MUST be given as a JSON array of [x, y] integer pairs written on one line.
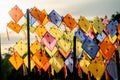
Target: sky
[[77, 8]]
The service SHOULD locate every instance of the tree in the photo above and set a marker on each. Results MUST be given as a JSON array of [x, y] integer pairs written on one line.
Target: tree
[[116, 16], [8, 71]]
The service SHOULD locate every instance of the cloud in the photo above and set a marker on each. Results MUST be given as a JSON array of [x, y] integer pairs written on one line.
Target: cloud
[[94, 8]]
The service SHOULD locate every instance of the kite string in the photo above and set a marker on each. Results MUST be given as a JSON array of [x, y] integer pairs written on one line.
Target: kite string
[[7, 34]]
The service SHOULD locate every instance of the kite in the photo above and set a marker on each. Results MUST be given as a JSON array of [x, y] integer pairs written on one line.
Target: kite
[[14, 26], [16, 60], [90, 47], [49, 41], [55, 18], [21, 47], [69, 21], [16, 13]]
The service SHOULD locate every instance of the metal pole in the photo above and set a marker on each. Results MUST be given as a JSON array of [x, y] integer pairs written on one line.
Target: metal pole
[[28, 41], [74, 60]]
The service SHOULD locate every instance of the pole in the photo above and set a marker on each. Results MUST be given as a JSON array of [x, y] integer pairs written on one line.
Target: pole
[[28, 41], [0, 57], [117, 62], [74, 60]]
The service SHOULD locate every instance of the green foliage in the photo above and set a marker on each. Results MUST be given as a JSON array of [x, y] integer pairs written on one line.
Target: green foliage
[[8, 71], [116, 16]]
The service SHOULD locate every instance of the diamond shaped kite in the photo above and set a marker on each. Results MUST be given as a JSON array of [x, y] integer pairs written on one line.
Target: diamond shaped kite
[[16, 60], [41, 30], [84, 63], [41, 59], [98, 25], [98, 60], [16, 13], [46, 19], [36, 59], [49, 41], [107, 48], [81, 35], [69, 21], [57, 62], [21, 47], [55, 32], [112, 28], [55, 18], [97, 69], [69, 62], [37, 14], [101, 36], [14, 26], [90, 47], [112, 69], [84, 24], [64, 46], [35, 46]]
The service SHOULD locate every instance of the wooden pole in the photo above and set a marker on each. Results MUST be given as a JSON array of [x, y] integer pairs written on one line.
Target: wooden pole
[[0, 57], [74, 60], [28, 41]]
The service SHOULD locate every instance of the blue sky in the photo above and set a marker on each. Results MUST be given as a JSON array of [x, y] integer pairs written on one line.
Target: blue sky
[[87, 8]]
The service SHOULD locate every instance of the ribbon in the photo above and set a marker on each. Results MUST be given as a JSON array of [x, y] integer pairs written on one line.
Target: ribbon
[[49, 72], [65, 71], [24, 33], [24, 70], [79, 71], [36, 38], [7, 34], [52, 71], [106, 75], [39, 72], [89, 75]]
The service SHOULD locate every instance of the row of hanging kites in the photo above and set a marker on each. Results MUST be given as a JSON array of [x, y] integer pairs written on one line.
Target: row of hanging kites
[[96, 43]]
